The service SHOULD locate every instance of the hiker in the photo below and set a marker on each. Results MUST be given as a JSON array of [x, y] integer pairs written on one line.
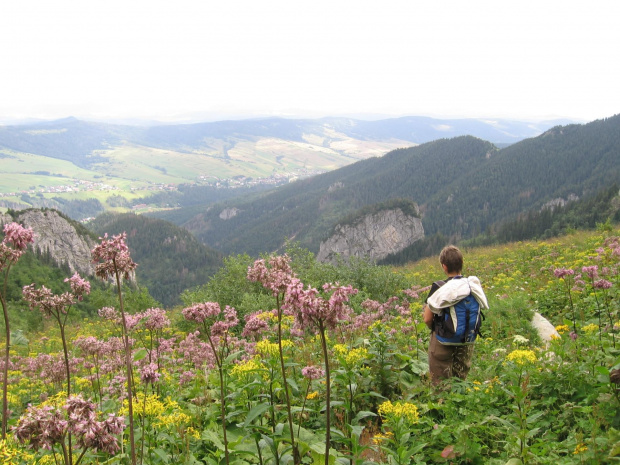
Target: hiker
[[453, 314]]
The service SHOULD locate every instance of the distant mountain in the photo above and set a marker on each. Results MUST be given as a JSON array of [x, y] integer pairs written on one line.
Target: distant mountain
[[88, 144], [463, 186], [169, 258]]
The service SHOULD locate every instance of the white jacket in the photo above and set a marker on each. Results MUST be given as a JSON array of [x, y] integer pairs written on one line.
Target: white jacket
[[454, 291]]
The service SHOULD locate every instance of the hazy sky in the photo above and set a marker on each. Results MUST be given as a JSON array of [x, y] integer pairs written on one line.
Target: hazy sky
[[228, 58]]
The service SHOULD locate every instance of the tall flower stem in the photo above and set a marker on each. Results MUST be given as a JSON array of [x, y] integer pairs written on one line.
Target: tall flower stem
[[296, 456], [128, 365], [327, 390], [220, 369], [7, 352], [68, 375]]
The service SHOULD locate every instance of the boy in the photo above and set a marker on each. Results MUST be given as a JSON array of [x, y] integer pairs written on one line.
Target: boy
[[454, 359]]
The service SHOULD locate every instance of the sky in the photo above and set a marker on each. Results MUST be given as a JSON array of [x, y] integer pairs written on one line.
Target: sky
[[218, 59]]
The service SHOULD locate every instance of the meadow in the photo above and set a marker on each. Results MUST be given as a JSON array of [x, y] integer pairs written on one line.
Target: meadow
[[317, 374]]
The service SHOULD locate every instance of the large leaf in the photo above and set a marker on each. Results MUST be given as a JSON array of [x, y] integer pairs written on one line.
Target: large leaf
[[256, 411]]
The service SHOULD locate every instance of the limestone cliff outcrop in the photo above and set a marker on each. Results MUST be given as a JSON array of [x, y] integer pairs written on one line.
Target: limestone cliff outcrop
[[373, 236], [58, 237]]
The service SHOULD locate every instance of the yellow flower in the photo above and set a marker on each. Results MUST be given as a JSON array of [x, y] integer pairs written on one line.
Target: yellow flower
[[379, 438], [589, 329], [312, 395], [247, 367], [405, 410], [356, 355], [192, 432], [580, 448], [269, 348], [149, 406], [521, 357], [340, 349], [562, 329]]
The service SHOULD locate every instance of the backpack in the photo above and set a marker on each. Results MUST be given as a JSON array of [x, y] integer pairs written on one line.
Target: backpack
[[459, 324]]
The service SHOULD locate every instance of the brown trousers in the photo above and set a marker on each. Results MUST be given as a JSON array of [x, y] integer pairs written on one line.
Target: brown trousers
[[445, 361]]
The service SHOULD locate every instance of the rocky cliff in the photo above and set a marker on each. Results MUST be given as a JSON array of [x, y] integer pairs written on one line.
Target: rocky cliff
[[58, 237], [374, 236]]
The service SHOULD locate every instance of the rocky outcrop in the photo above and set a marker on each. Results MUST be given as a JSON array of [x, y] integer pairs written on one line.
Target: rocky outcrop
[[373, 236], [229, 213], [56, 236]]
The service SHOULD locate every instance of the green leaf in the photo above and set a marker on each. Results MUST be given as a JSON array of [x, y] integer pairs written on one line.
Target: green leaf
[[163, 455], [361, 415], [255, 412], [140, 354]]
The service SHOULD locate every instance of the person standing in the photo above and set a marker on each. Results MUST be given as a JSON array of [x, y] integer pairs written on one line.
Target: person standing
[[450, 354]]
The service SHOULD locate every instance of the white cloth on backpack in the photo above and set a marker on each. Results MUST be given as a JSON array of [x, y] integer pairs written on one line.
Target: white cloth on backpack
[[456, 290]]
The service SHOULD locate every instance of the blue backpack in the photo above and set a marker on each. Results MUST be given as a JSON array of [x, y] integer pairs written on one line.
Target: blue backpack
[[459, 324]]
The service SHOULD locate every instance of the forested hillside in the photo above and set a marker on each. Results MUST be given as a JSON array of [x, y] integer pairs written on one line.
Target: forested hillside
[[170, 259], [463, 185]]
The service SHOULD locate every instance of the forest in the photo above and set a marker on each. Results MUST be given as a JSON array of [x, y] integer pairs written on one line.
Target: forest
[[463, 186]]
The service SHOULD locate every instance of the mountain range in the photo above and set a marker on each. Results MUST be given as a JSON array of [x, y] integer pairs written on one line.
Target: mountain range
[[464, 186], [59, 158]]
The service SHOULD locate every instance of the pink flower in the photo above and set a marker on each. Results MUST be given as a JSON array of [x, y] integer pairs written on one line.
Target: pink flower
[[591, 271], [79, 286], [109, 313], [276, 276], [149, 374], [313, 372], [602, 284], [562, 272], [155, 318], [313, 309], [114, 257], [17, 236], [199, 313]]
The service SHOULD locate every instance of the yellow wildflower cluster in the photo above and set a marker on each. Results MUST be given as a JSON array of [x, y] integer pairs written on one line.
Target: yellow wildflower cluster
[[266, 347], [491, 384], [312, 395], [340, 349], [562, 329], [405, 410], [192, 432], [356, 355], [82, 383], [175, 418], [57, 400], [247, 367], [10, 454], [376, 326], [267, 316], [521, 357], [47, 460], [149, 406], [590, 329], [379, 438], [580, 448]]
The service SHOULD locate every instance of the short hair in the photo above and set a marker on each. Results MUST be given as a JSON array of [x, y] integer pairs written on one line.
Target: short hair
[[452, 257]]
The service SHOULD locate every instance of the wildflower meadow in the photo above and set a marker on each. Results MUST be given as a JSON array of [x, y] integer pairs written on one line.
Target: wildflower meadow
[[289, 364]]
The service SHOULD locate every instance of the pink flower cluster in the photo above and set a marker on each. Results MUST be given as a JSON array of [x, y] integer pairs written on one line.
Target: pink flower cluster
[[49, 303], [79, 286], [313, 372], [112, 255], [46, 426], [199, 313], [560, 273], [312, 309], [16, 239], [275, 275]]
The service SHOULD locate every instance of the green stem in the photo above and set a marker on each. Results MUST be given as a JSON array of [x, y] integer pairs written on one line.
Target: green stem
[[128, 366], [296, 456], [327, 392]]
